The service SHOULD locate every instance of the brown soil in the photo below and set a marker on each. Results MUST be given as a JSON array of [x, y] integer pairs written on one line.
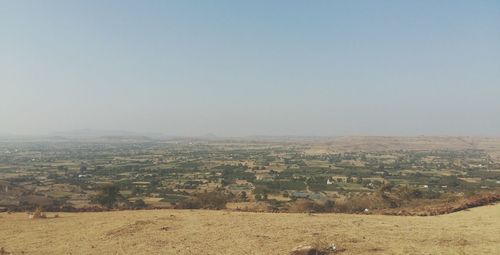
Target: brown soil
[[474, 231]]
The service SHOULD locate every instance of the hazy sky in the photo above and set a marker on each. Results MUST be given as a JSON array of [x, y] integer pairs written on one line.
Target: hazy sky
[[236, 68]]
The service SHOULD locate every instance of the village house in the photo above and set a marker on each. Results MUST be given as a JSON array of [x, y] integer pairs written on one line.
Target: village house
[[141, 184]]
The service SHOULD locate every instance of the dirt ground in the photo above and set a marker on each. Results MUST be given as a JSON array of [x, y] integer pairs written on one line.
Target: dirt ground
[[476, 231]]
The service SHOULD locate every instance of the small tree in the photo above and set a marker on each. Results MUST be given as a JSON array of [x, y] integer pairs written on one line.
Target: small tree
[[108, 195], [349, 179], [285, 194], [83, 168], [329, 205], [258, 197], [359, 180], [243, 196]]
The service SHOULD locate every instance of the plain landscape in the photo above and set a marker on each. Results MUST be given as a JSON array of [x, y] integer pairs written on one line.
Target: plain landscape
[[249, 127], [258, 195]]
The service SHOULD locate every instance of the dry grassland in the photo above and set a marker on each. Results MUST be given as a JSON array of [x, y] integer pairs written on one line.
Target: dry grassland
[[476, 231]]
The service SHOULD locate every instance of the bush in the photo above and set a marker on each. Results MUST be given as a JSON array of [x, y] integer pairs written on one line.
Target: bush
[[208, 200], [329, 205], [309, 206], [190, 203], [139, 203]]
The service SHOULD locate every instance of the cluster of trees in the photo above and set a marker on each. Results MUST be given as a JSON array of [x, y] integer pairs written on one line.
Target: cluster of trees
[[109, 197]]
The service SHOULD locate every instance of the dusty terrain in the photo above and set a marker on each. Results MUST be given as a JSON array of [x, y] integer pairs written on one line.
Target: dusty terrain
[[381, 143], [475, 231]]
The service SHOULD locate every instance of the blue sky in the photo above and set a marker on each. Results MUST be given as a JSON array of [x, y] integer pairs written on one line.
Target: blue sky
[[237, 68]]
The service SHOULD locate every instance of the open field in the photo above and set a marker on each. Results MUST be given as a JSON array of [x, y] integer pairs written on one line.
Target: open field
[[475, 231]]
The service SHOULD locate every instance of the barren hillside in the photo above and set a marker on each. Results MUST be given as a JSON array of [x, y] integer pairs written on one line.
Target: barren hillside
[[222, 232]]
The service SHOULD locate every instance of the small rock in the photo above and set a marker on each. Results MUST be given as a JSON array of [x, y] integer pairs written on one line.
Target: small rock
[[332, 247]]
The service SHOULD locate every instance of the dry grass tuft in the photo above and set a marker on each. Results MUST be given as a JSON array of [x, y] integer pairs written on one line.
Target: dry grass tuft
[[38, 214]]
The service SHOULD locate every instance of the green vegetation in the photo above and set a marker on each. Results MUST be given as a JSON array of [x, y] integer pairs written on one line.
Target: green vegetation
[[209, 174]]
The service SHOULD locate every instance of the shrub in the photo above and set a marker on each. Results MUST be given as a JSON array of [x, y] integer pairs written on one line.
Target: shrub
[[139, 203], [190, 203], [38, 214], [207, 200], [329, 205], [212, 200], [306, 205]]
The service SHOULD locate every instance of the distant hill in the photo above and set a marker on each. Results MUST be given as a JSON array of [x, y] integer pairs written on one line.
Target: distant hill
[[104, 136], [93, 133]]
